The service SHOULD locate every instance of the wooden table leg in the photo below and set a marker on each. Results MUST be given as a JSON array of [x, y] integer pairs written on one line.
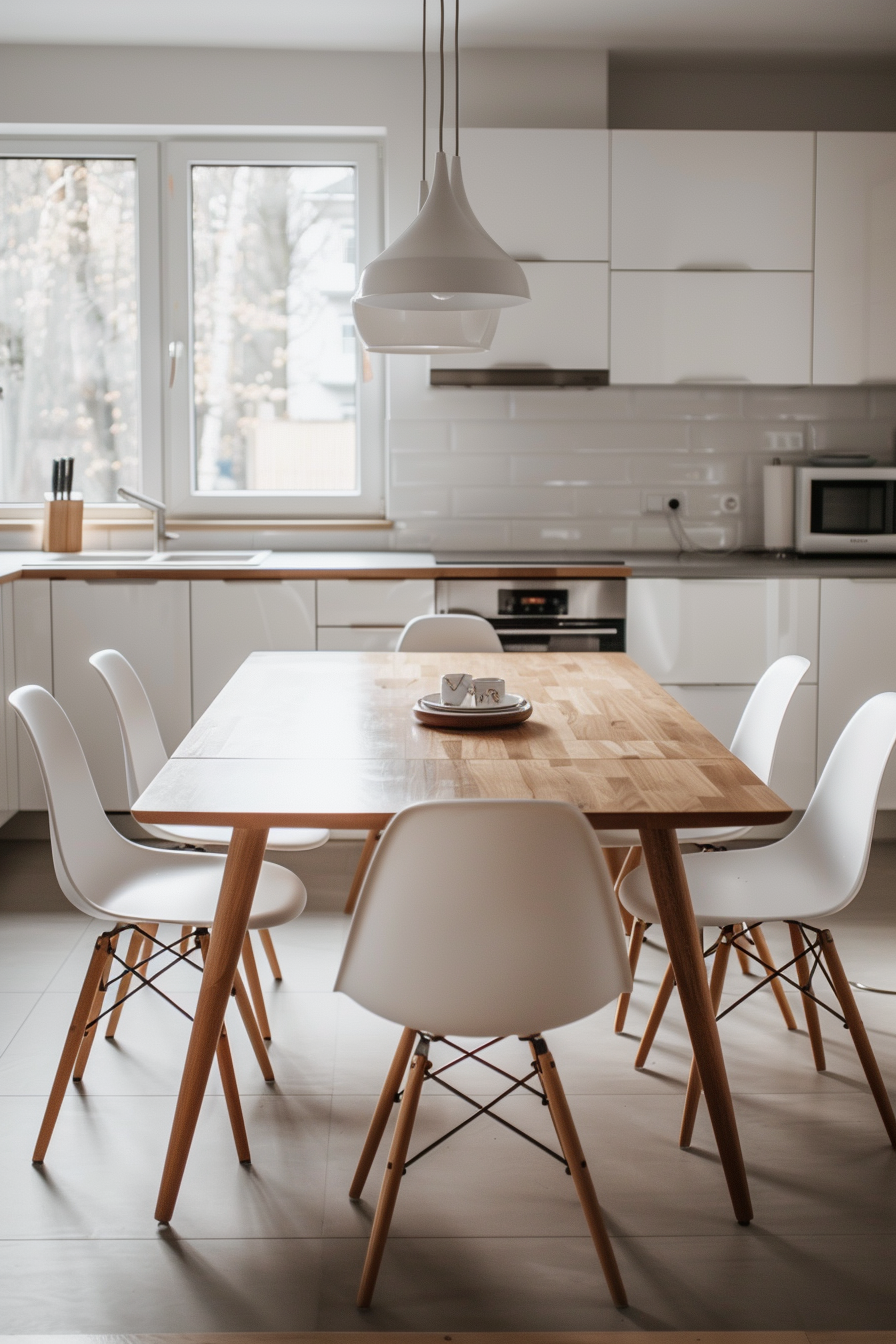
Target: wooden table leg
[[244, 859], [670, 887]]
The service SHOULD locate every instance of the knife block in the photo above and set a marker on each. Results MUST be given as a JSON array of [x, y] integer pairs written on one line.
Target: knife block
[[63, 521]]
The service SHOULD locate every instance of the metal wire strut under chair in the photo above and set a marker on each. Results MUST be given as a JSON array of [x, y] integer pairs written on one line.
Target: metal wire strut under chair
[[476, 1056], [812, 949], [147, 981]]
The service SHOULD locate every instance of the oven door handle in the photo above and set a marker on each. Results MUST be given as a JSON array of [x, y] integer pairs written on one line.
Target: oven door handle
[[559, 630]]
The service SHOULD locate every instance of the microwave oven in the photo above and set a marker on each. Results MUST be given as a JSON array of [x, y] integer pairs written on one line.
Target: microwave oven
[[845, 509]]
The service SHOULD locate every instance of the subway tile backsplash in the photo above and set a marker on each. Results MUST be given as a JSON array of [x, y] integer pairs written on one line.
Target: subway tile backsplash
[[554, 470]]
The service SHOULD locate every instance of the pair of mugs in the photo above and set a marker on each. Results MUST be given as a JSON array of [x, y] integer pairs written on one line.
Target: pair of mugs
[[457, 687]]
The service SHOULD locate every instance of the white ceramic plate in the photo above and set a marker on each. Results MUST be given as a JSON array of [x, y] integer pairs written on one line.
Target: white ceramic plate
[[434, 702]]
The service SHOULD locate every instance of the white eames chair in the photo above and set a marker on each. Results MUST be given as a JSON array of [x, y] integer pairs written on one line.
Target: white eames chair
[[755, 742], [482, 918], [813, 873], [134, 888], [455, 632], [144, 756]]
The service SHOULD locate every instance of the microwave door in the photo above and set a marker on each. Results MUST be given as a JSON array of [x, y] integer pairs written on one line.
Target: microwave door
[[852, 508]]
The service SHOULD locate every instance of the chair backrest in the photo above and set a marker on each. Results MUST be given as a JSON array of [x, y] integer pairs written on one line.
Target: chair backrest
[[144, 750], [89, 855], [756, 738], [486, 917], [452, 633], [833, 839]]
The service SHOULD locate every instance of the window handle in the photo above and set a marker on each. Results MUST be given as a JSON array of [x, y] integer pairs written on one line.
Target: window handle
[[175, 352]]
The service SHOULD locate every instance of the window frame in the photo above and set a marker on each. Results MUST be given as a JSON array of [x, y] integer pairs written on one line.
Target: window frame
[[179, 154], [146, 155]]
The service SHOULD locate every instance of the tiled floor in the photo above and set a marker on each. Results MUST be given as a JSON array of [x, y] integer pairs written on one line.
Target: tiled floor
[[488, 1234]]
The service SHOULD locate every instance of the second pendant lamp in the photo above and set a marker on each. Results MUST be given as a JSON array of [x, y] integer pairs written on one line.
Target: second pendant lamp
[[440, 286]]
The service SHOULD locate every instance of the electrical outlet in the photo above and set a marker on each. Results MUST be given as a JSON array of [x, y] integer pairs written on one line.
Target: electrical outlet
[[784, 440], [656, 503], [730, 503]]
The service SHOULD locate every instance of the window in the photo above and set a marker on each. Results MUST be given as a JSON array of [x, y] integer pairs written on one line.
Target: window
[[269, 411]]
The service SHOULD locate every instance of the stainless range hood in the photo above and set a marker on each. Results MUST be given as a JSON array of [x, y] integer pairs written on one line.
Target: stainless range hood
[[519, 377]]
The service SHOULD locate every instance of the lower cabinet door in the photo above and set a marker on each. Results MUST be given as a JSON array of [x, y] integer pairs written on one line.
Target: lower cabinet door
[[719, 709], [147, 620], [231, 618], [857, 659], [357, 639]]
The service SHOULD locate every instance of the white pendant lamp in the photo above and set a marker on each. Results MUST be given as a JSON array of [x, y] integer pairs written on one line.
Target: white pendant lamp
[[445, 261]]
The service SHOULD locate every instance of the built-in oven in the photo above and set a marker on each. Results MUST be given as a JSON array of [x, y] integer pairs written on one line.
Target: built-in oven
[[845, 509], [541, 615]]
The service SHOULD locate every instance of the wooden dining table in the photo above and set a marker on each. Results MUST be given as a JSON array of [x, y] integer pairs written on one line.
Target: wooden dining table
[[329, 740]]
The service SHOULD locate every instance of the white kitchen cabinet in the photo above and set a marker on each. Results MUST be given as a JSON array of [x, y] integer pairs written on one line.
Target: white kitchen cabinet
[[856, 659], [719, 327], [231, 618], [720, 631], [358, 639], [564, 326], [148, 621], [33, 638], [719, 709], [855, 258], [373, 602], [9, 782], [712, 200], [541, 194]]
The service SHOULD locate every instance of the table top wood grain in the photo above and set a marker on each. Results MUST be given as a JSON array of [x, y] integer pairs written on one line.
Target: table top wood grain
[[328, 739]]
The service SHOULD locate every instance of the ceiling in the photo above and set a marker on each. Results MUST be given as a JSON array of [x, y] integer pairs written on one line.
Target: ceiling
[[834, 26]]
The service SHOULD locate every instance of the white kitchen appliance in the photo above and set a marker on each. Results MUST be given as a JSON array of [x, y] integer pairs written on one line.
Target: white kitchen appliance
[[846, 508]]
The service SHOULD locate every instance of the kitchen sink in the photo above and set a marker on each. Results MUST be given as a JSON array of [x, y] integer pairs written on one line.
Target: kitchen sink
[[170, 559], [222, 559]]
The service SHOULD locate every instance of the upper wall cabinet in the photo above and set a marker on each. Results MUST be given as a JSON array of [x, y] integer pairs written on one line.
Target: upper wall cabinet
[[712, 200], [855, 258], [564, 326], [689, 327], [541, 194]]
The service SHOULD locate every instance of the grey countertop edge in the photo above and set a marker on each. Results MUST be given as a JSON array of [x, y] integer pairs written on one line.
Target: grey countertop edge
[[383, 564]]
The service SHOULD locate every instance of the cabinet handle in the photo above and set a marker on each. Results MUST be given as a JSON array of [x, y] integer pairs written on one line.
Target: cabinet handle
[[714, 266], [714, 378]]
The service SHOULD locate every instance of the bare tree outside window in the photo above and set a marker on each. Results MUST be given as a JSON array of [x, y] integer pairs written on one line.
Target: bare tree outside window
[[275, 381], [68, 325]]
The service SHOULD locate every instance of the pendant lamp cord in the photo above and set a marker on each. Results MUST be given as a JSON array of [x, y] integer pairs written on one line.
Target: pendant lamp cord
[[456, 82], [423, 45], [442, 74]]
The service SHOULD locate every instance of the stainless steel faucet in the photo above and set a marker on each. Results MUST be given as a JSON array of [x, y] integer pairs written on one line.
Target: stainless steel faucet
[[160, 534]]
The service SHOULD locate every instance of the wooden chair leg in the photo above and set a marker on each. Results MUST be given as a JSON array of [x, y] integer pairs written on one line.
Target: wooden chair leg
[[764, 951], [246, 1013], [743, 959], [401, 1139], [859, 1034], [256, 1039], [73, 1041], [578, 1167], [134, 955], [361, 870], [692, 1097], [661, 1002], [183, 945], [251, 968], [381, 1114], [267, 943], [95, 1010], [639, 928], [810, 1008], [232, 1098]]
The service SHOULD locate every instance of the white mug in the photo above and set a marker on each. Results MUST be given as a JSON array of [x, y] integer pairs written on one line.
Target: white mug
[[487, 691], [456, 688]]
